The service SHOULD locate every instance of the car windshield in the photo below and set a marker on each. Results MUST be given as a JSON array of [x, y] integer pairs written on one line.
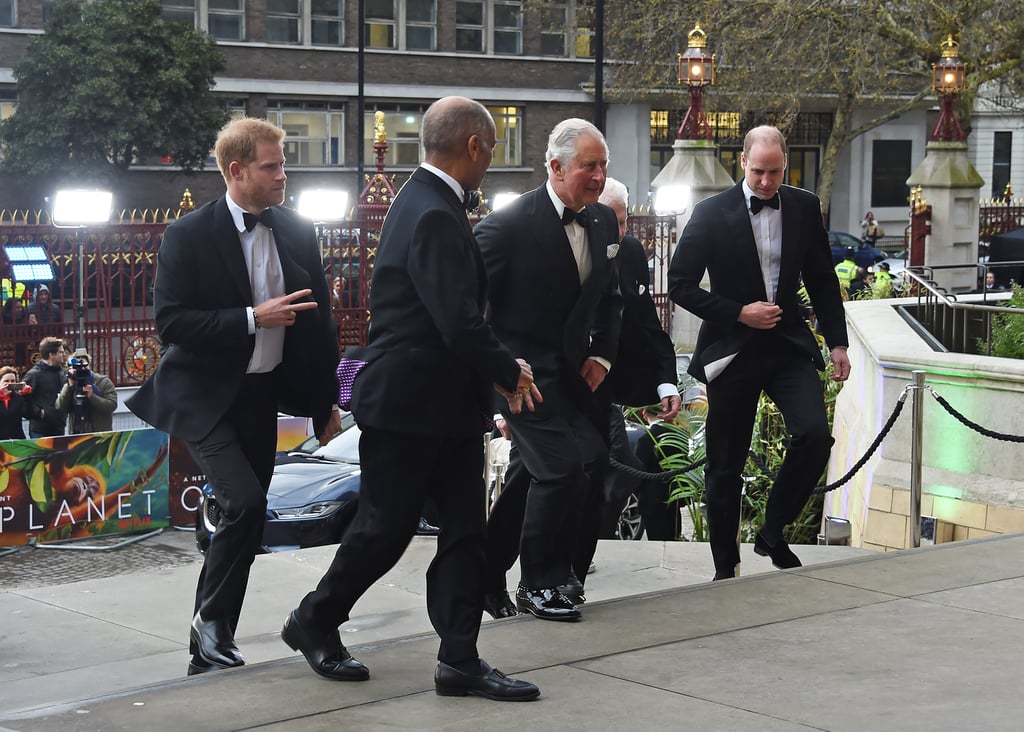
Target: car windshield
[[343, 449]]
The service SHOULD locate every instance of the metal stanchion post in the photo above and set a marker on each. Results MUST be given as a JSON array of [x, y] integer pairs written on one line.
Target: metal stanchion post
[[917, 428]]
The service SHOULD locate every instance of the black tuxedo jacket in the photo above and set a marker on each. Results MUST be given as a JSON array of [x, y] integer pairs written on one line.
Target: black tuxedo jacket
[[538, 307], [646, 356], [438, 355], [200, 295], [719, 238]]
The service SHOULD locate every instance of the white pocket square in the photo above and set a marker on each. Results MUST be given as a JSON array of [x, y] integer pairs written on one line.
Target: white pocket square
[[613, 249]]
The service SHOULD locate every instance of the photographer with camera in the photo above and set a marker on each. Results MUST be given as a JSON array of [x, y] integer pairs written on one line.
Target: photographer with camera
[[88, 398]]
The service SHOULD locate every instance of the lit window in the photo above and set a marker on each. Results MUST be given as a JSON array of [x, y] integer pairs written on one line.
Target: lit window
[[327, 24], [402, 123], [508, 124], [283, 21], [379, 25], [225, 19], [314, 132]]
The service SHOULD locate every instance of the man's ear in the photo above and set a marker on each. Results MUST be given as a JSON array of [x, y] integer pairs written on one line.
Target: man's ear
[[235, 169]]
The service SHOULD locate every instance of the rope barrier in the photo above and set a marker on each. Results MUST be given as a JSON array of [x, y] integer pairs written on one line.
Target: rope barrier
[[667, 475]]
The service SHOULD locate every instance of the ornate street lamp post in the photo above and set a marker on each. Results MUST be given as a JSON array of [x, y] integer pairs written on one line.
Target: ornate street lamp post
[[697, 70], [948, 83]]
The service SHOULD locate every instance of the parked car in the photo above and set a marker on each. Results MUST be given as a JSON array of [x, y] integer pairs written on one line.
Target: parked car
[[865, 255], [312, 498]]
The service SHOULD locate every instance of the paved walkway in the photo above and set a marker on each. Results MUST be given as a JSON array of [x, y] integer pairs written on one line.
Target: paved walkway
[[925, 639]]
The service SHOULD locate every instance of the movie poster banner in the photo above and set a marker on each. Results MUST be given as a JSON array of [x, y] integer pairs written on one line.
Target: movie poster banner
[[80, 486]]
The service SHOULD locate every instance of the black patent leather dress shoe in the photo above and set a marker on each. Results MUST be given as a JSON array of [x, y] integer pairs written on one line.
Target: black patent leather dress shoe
[[423, 528], [499, 605], [573, 589], [722, 576], [490, 683], [782, 556], [325, 653], [214, 642], [547, 603], [198, 666]]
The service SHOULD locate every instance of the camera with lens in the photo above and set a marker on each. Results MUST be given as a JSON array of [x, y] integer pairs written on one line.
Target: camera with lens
[[78, 371]]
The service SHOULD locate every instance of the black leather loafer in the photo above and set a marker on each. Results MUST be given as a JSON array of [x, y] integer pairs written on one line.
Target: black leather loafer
[[573, 589], [490, 683], [547, 603], [499, 605], [214, 642], [325, 653], [782, 556], [424, 528]]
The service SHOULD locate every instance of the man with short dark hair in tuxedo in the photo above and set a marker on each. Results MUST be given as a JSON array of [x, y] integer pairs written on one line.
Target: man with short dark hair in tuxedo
[[430, 345], [756, 241]]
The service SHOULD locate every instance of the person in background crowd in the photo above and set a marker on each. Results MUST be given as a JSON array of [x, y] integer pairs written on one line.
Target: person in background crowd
[[14, 404], [754, 339], [861, 289], [870, 231], [88, 398], [884, 285], [14, 312], [244, 311], [42, 309], [46, 378], [846, 270]]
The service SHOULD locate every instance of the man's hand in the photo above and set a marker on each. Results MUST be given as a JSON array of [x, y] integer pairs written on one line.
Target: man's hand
[[333, 428], [840, 364], [526, 392], [281, 311], [593, 373], [760, 315], [670, 407], [503, 428]]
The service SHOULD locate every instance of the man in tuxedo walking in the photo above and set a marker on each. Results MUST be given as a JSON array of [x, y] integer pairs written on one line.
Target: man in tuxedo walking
[[244, 312], [756, 241], [555, 301], [431, 349]]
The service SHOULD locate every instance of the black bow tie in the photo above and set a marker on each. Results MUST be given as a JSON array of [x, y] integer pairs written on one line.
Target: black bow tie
[[580, 217], [756, 204], [471, 200], [265, 217]]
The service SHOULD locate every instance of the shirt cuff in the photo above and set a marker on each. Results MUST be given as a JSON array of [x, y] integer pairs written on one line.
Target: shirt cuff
[[604, 362], [667, 390], [252, 320]]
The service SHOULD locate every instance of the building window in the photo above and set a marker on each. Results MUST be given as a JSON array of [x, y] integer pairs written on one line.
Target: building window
[[402, 122], [327, 24], [283, 18], [379, 25], [508, 27], [8, 103], [420, 25], [7, 13], [314, 132], [1002, 145], [469, 26], [890, 168], [508, 127], [226, 19], [554, 27], [180, 11]]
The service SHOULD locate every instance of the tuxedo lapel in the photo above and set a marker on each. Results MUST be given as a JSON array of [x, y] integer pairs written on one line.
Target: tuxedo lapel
[[748, 261], [790, 233], [229, 248], [550, 232]]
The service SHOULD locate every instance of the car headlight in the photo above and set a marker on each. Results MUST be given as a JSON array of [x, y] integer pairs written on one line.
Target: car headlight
[[313, 510]]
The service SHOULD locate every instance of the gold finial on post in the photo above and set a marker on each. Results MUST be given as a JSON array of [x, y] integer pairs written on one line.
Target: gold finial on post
[[187, 204], [380, 133]]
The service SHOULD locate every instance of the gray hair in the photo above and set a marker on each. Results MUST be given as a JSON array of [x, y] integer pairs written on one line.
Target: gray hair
[[450, 121], [562, 140], [614, 192]]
